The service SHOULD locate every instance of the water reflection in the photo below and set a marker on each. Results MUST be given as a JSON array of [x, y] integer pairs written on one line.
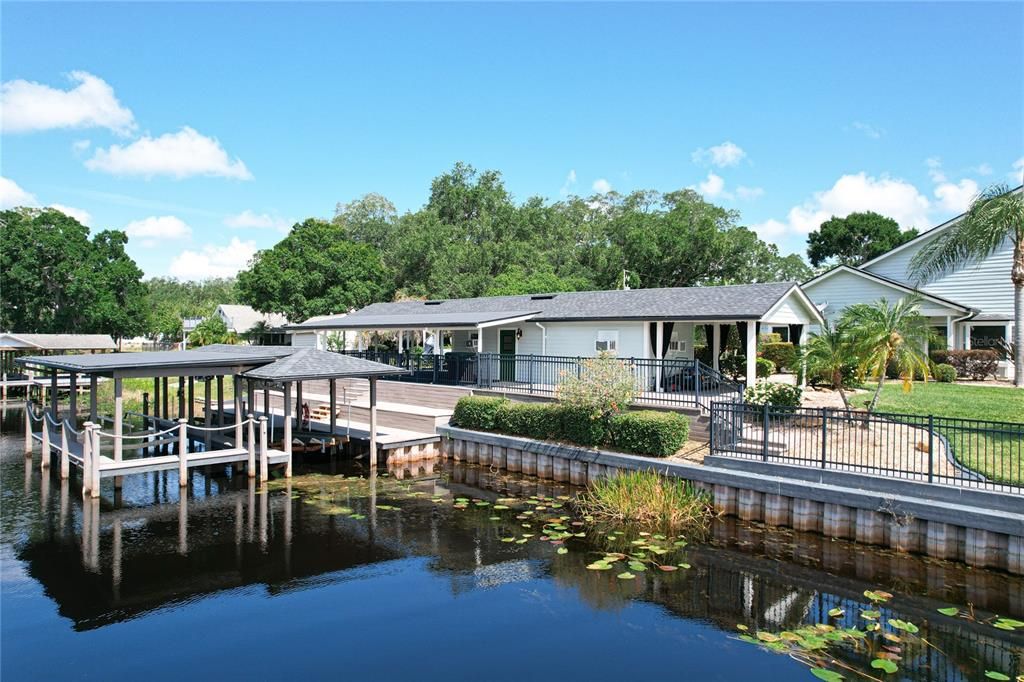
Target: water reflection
[[112, 560]]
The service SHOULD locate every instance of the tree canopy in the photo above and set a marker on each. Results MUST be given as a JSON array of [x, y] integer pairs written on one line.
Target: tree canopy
[[857, 238], [172, 300], [315, 270], [55, 279]]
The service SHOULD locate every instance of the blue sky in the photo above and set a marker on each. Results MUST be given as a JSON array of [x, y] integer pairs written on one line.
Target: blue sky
[[206, 129]]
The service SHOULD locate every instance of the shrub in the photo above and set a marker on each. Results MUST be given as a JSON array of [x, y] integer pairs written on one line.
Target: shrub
[[784, 355], [530, 420], [769, 337], [476, 412], [765, 368], [733, 366], [945, 373], [581, 425], [648, 432], [974, 364], [603, 386], [771, 393]]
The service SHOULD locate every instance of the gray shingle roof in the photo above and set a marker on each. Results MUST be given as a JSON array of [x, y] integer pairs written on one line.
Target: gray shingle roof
[[206, 356], [309, 363], [415, 319], [741, 301], [58, 341]]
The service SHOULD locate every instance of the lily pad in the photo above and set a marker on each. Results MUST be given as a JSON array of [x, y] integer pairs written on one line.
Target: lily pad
[[836, 612], [625, 576], [996, 675], [949, 611], [884, 665], [563, 550], [826, 674]]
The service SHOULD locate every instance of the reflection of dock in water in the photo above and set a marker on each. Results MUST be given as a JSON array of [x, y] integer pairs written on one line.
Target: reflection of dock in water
[[104, 568]]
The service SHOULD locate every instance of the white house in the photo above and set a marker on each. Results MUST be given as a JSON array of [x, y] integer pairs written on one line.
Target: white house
[[638, 323], [970, 306]]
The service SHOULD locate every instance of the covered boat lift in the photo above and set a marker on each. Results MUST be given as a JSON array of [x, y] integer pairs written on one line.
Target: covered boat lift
[[257, 365]]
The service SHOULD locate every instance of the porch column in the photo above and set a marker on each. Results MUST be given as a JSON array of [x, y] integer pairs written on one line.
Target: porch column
[[73, 398], [400, 339], [93, 408], [967, 336], [118, 419], [373, 421], [53, 394], [751, 353], [333, 399], [250, 397], [237, 381], [716, 344], [804, 335], [479, 340], [220, 400], [950, 333], [359, 340], [288, 425], [658, 345]]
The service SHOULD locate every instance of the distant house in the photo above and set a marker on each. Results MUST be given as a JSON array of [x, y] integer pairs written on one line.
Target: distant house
[[638, 323], [969, 307], [240, 319], [308, 335]]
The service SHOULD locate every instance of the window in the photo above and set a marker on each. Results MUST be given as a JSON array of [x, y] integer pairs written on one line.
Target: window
[[677, 345], [607, 341]]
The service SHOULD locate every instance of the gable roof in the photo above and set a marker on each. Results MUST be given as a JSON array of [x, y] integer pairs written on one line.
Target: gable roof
[[887, 282], [57, 341], [732, 302], [309, 363], [927, 234]]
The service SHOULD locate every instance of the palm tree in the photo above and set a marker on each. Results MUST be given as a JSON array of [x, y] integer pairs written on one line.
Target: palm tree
[[995, 216], [828, 352], [884, 334]]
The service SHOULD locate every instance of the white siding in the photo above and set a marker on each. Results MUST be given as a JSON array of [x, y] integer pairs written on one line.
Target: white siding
[[577, 338], [846, 288], [985, 285], [304, 339]]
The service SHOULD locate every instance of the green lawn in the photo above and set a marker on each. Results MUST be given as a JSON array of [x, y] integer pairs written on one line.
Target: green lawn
[[1000, 455], [994, 403]]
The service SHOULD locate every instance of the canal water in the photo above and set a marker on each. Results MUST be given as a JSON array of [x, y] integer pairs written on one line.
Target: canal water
[[445, 572]]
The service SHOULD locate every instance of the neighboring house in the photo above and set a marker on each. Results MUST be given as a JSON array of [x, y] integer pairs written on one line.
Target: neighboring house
[[969, 307], [242, 318], [638, 323], [313, 338]]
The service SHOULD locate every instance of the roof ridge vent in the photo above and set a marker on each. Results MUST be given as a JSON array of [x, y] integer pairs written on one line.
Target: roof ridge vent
[[433, 302], [542, 297]]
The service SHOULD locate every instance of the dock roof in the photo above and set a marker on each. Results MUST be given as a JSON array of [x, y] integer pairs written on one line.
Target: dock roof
[[17, 341]]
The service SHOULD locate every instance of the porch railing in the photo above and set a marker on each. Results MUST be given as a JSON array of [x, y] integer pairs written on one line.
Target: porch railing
[[964, 452], [670, 382]]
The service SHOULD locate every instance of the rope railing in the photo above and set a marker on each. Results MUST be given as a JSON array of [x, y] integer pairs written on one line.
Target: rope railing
[[226, 427], [69, 427], [31, 409], [126, 436]]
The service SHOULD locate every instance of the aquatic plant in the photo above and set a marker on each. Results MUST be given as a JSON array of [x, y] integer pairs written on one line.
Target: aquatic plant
[[648, 500]]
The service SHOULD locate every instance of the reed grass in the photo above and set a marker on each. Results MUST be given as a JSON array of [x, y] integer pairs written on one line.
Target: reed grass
[[648, 499]]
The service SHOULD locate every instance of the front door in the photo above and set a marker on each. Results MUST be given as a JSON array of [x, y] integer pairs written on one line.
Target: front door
[[507, 349]]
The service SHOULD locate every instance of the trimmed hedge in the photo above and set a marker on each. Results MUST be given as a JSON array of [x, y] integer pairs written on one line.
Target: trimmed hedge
[[658, 434], [975, 364], [944, 373], [765, 368], [651, 433], [477, 412], [783, 354]]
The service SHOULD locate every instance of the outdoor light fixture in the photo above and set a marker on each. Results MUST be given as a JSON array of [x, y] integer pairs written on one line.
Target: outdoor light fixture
[[519, 334]]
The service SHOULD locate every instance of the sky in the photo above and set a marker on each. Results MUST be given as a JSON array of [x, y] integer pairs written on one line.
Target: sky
[[206, 130]]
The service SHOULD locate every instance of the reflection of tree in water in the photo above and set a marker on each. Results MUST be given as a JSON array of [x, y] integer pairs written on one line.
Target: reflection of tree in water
[[317, 528]]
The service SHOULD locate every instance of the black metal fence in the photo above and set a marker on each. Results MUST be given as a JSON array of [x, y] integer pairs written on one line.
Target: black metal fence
[[966, 452], [658, 382]]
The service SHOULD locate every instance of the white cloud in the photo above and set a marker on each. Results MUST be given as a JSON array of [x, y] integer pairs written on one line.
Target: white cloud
[[79, 214], [602, 186], [713, 187], [867, 129], [79, 147], [770, 229], [1017, 174], [851, 193], [180, 155], [28, 106], [721, 155], [570, 182], [749, 193], [155, 229], [982, 169], [213, 260], [954, 197], [248, 218], [12, 195]]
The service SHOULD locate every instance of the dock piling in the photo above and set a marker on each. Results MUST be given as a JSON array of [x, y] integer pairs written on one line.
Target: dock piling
[[182, 452], [250, 467], [264, 459]]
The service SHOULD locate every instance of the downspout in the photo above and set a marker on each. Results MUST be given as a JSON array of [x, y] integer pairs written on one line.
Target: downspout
[[543, 338]]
